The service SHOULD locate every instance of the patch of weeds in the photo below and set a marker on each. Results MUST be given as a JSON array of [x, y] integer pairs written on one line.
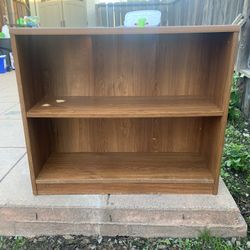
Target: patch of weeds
[[204, 242], [237, 148], [236, 156], [1, 242], [19, 243], [234, 113], [13, 243]]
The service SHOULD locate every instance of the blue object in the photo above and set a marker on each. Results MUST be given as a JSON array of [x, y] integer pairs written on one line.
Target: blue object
[[3, 64]]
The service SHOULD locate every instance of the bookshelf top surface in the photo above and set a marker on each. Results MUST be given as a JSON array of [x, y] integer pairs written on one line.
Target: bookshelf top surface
[[123, 30]]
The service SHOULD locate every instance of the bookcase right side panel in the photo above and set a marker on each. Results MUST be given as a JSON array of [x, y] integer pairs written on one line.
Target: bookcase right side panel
[[221, 74]]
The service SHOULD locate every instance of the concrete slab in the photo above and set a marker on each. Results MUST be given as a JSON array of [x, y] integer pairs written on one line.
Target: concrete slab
[[5, 106], [20, 193], [11, 133], [8, 80], [8, 88], [22, 213], [7, 98], [8, 158], [13, 113], [11, 129], [221, 202]]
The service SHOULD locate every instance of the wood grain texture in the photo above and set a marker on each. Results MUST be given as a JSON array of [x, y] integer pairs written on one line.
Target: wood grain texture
[[124, 107], [121, 31], [219, 72], [148, 65], [153, 65], [69, 73], [212, 143], [127, 135], [36, 134], [125, 168], [124, 188], [144, 110]]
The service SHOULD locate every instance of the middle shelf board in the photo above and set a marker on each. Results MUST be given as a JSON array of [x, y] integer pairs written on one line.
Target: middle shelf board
[[124, 107]]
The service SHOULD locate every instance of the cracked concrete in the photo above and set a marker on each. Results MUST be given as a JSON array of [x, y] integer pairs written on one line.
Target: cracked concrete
[[21, 213]]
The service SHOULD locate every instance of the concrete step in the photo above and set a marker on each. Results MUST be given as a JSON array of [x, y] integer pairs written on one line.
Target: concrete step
[[21, 213]]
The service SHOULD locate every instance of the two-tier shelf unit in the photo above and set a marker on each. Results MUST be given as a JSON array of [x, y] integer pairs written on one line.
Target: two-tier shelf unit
[[125, 110]]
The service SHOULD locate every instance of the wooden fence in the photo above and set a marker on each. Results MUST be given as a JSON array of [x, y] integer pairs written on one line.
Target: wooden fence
[[20, 9], [179, 12], [3, 12]]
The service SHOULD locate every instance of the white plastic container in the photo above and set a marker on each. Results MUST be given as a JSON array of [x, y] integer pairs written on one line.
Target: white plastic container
[[152, 18]]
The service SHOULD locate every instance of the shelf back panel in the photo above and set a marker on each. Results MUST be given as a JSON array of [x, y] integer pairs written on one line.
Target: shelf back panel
[[127, 135], [128, 65]]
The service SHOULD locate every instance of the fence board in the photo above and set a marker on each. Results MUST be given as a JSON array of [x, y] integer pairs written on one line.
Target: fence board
[[20, 9], [2, 12], [181, 12], [117, 18], [110, 12]]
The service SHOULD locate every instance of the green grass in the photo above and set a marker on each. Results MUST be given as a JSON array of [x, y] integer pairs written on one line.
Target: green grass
[[204, 242], [235, 169]]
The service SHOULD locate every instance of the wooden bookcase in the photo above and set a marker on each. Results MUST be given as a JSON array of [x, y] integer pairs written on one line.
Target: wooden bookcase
[[125, 110]]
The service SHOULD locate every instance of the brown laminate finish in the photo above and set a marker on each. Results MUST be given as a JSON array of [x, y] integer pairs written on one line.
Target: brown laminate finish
[[124, 106], [125, 188], [125, 168], [126, 135], [125, 110], [126, 30]]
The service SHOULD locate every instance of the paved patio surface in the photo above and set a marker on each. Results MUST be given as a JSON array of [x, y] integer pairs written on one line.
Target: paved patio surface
[[21, 213]]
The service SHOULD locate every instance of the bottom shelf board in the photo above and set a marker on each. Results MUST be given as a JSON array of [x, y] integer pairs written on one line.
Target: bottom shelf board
[[69, 173]]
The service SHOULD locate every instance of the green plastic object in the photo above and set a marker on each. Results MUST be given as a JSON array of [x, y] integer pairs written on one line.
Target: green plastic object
[[20, 22], [2, 35], [141, 22], [28, 21]]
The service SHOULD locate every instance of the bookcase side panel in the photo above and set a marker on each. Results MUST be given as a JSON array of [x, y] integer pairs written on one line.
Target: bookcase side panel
[[220, 68], [29, 93], [213, 140]]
